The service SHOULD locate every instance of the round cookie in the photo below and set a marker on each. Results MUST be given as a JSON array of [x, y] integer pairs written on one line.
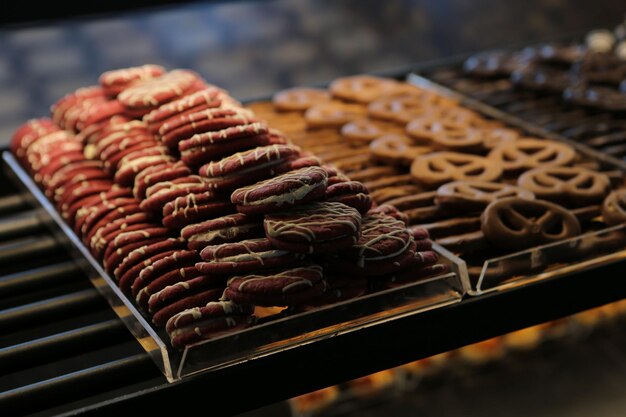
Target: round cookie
[[244, 168], [350, 193], [159, 194], [282, 287], [173, 262], [231, 228], [201, 323], [321, 227], [196, 295], [193, 208], [115, 81], [244, 256], [281, 192]]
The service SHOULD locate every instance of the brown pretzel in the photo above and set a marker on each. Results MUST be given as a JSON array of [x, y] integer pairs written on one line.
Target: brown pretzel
[[299, 98], [527, 153], [614, 208], [402, 108], [396, 150], [496, 136], [437, 168], [363, 131], [571, 186], [332, 114], [514, 223], [362, 88], [476, 195]]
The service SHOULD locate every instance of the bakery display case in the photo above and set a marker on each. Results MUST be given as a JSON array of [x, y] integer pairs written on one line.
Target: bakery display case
[[80, 333]]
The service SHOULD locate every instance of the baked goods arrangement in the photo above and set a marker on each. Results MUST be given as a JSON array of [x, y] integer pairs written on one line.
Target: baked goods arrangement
[[205, 216], [480, 188], [577, 90]]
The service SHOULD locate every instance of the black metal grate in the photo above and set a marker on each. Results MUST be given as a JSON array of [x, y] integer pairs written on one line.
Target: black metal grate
[[61, 346]]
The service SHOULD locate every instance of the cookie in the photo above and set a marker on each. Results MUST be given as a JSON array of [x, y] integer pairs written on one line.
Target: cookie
[[282, 287], [157, 174], [201, 323], [195, 295], [281, 192], [516, 224], [299, 98], [141, 99], [244, 256], [230, 228], [362, 88], [159, 194], [193, 208], [321, 227], [115, 81], [173, 262], [476, 195], [527, 153], [351, 193], [438, 168], [569, 186], [249, 167], [396, 149], [614, 208]]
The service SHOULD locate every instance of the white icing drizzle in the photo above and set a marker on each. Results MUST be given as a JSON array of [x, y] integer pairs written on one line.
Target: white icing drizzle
[[210, 137], [146, 94], [294, 275], [225, 233], [313, 216], [372, 232]]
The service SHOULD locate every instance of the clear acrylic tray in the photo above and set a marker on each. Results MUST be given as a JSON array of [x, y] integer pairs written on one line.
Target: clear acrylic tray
[[267, 338], [589, 250]]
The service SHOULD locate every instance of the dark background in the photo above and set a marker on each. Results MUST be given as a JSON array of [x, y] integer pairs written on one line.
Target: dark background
[[253, 48]]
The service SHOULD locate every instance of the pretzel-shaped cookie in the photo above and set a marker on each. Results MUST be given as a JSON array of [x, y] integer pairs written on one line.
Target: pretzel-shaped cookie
[[362, 88], [573, 186], [614, 208], [396, 149], [401, 108], [527, 153], [363, 131], [466, 195], [299, 98], [514, 223], [332, 114], [440, 167]]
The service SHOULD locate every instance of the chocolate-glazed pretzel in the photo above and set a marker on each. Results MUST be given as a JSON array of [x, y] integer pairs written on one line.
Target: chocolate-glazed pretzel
[[440, 167], [470, 195], [614, 208], [396, 149], [571, 186], [514, 223], [523, 154]]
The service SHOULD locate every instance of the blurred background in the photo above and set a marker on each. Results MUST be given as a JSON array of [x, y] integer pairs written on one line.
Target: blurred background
[[253, 48]]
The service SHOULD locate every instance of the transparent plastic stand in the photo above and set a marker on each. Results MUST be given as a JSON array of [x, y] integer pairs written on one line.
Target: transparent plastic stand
[[271, 337]]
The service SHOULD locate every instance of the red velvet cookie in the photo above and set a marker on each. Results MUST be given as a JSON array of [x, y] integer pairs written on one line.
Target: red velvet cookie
[[282, 192], [157, 174], [193, 208], [231, 228], [185, 295], [244, 256], [244, 168], [29, 132], [159, 194], [195, 156], [187, 126], [200, 323], [171, 277], [179, 259], [142, 98], [128, 278], [141, 254], [115, 81], [314, 228], [350, 193], [282, 287]]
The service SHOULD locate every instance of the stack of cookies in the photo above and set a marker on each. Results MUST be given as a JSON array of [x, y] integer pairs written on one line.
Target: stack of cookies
[[480, 188], [201, 213]]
